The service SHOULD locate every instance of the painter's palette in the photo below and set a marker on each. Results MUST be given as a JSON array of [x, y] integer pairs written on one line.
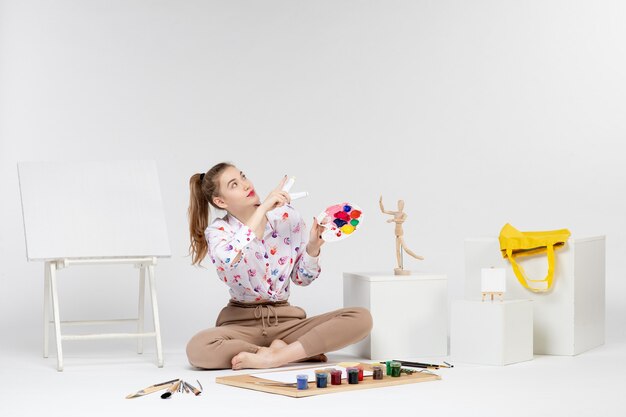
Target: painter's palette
[[340, 221]]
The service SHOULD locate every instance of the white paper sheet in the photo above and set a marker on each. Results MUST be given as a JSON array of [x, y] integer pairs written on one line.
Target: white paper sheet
[[290, 376]]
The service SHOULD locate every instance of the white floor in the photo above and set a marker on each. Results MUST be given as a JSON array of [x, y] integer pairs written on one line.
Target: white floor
[[95, 384]]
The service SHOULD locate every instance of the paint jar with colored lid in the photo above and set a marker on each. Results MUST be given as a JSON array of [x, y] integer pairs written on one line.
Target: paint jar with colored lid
[[323, 371], [335, 377], [378, 372], [360, 368], [321, 379], [353, 375], [388, 363], [395, 369], [303, 381]]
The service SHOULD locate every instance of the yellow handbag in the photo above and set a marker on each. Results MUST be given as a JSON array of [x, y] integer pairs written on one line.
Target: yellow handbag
[[514, 243]]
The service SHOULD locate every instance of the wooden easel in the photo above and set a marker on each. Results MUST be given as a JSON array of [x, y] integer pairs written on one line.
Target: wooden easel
[[492, 295], [492, 283]]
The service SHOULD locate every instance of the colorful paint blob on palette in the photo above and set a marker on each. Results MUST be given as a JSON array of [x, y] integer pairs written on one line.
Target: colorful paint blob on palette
[[340, 221]]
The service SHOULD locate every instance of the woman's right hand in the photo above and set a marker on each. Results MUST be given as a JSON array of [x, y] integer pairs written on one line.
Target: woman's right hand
[[277, 197]]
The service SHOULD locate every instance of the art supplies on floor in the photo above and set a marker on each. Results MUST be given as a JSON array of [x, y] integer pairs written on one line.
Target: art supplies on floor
[[173, 386], [305, 382], [419, 364]]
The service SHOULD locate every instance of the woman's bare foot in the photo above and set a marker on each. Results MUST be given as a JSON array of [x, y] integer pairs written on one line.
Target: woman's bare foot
[[277, 343], [264, 358], [262, 352], [316, 358], [277, 354]]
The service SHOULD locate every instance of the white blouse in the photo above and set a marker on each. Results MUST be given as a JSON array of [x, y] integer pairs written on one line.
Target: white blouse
[[267, 265]]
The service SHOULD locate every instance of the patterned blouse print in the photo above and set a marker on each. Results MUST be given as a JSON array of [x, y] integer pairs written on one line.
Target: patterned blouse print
[[265, 267]]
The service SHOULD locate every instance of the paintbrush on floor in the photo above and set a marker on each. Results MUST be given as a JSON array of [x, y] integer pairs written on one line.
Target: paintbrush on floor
[[171, 387], [152, 388]]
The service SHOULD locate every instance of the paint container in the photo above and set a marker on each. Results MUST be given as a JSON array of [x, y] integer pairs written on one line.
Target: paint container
[[388, 363], [395, 369], [353, 375], [378, 372], [335, 377], [360, 368], [328, 374], [303, 381], [321, 379]]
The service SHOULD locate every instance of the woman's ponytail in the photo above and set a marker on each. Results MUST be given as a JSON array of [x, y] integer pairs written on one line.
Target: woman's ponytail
[[198, 219], [202, 189]]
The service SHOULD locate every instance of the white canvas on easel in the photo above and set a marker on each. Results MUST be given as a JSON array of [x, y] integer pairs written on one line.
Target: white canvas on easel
[[95, 212]]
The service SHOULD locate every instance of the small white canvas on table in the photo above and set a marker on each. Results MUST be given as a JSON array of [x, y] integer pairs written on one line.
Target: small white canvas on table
[[493, 282], [85, 213]]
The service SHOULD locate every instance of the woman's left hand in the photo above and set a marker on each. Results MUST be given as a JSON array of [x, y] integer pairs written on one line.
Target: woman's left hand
[[315, 239]]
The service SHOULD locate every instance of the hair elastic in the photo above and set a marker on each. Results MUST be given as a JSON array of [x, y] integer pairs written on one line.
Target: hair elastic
[[202, 176]]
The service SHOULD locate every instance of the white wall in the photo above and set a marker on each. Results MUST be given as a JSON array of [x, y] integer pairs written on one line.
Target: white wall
[[476, 113]]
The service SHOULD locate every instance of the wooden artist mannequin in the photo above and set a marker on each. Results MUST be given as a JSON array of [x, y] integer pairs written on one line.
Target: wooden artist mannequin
[[399, 217]]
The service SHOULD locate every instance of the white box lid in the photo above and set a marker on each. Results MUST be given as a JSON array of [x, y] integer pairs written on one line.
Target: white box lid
[[382, 276]]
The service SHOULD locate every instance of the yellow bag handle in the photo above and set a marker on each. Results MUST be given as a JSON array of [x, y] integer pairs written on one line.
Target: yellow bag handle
[[521, 275], [514, 243]]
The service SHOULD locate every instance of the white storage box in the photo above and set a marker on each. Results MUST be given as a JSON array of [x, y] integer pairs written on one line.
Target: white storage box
[[410, 313], [491, 332], [569, 319]]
